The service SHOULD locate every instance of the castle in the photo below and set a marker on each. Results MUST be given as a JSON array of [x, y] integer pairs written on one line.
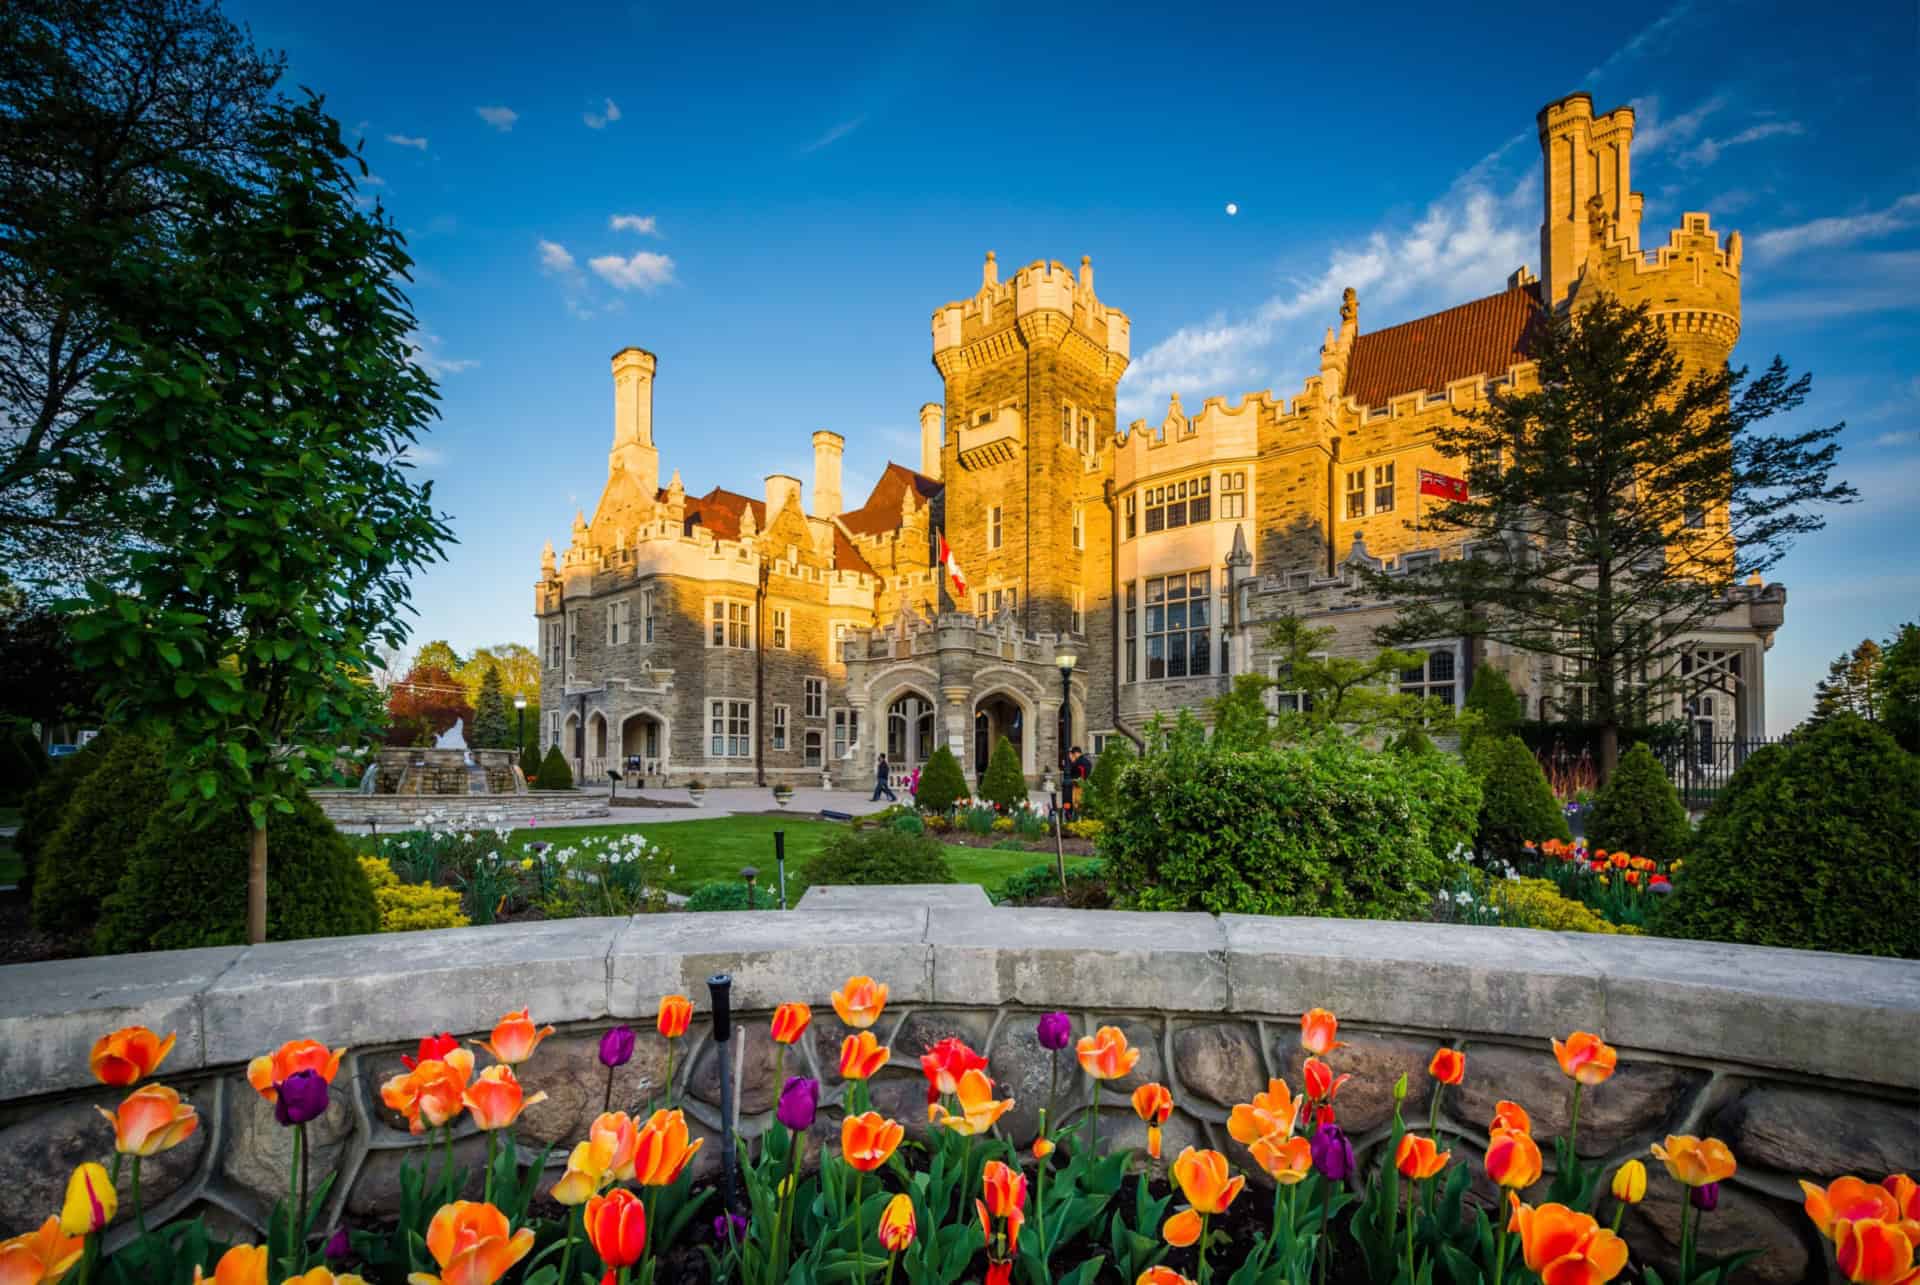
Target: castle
[[1110, 573]]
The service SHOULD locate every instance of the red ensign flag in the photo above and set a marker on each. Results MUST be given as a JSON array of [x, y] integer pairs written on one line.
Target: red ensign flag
[[952, 565], [1447, 488]]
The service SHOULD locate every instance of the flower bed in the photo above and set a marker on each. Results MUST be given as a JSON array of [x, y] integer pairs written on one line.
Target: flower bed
[[1078, 1202]]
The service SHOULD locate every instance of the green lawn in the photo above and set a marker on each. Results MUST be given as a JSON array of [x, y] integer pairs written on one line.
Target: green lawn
[[707, 850]]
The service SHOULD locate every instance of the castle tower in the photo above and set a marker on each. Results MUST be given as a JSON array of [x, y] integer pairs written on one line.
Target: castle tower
[[1031, 366], [1583, 157], [633, 450], [827, 449]]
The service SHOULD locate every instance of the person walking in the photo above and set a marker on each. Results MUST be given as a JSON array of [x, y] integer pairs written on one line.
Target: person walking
[[880, 786], [1078, 769]]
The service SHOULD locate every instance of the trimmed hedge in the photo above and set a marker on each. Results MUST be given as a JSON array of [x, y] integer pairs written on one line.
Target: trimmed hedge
[[1638, 811], [186, 886], [1813, 844], [878, 856], [942, 783], [554, 772], [1325, 827], [1516, 803], [1004, 784], [82, 862]]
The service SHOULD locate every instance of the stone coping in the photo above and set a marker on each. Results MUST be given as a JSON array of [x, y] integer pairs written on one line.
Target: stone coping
[[1840, 1017]]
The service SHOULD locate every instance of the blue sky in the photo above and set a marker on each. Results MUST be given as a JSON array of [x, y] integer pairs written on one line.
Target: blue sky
[[775, 202]]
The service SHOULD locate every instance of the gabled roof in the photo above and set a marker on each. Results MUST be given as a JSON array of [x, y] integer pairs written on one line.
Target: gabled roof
[[1483, 337], [720, 511], [881, 513]]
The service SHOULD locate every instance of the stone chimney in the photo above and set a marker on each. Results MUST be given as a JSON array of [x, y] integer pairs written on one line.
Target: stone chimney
[[781, 487], [633, 448], [827, 447], [932, 438]]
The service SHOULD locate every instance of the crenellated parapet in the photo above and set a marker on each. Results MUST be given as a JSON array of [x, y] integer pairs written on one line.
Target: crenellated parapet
[[1042, 303]]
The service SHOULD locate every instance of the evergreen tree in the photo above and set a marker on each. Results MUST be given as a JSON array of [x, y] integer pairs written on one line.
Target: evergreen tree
[[1897, 689], [1849, 684], [1638, 811], [554, 772], [941, 783], [1004, 785], [1492, 697], [492, 730], [1611, 505], [530, 764], [1516, 802]]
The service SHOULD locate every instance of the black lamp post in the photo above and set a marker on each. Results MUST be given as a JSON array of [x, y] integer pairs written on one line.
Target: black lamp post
[[520, 703], [1066, 658]]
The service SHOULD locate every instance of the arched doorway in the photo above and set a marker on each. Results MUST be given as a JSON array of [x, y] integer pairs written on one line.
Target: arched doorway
[[643, 746], [596, 753], [910, 732], [994, 717]]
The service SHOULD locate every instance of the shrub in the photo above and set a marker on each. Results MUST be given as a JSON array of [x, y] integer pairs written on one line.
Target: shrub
[[1493, 699], [1638, 810], [1089, 830], [409, 907], [909, 824], [41, 810], [1516, 803], [554, 772], [1448, 794], [1086, 883], [1003, 825], [1004, 785], [942, 784], [731, 894], [1102, 787], [1814, 844], [23, 763], [81, 863], [1010, 845], [186, 886], [1413, 740], [937, 823], [530, 764], [878, 856], [1325, 827], [1536, 903]]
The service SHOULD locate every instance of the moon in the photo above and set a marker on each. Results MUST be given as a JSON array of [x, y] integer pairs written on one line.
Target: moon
[[1232, 209]]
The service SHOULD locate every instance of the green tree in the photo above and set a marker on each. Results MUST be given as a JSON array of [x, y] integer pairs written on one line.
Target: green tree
[[941, 783], [1516, 802], [1358, 695], [1850, 684], [554, 772], [491, 728], [102, 103], [439, 654], [1241, 719], [1898, 688], [1102, 792], [265, 392], [529, 764], [1493, 699], [1004, 784], [519, 670], [1611, 506], [1638, 810]]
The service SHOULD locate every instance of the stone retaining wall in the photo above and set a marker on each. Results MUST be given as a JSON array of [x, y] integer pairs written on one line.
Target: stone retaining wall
[[1804, 1063], [410, 811]]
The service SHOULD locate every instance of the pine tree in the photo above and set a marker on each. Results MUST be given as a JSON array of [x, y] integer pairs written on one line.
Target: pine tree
[[1897, 688], [1004, 784], [554, 772], [1849, 684], [1492, 697], [1638, 811], [491, 729], [530, 764]]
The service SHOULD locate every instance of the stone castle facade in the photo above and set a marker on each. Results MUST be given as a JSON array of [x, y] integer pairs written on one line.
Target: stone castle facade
[[1112, 572]]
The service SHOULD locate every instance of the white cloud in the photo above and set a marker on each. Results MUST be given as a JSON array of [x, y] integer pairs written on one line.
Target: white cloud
[[1646, 36], [835, 134], [644, 224], [1838, 230], [600, 120], [556, 261], [501, 118], [424, 347], [642, 271], [421, 456], [373, 180], [1901, 437], [403, 140], [1708, 150], [1652, 131]]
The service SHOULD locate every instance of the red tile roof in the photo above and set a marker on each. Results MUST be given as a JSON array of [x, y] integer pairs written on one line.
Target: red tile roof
[[881, 513], [1483, 337], [720, 510]]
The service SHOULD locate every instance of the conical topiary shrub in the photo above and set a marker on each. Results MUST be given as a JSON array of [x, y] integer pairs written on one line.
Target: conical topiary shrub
[[942, 783], [529, 764], [554, 772], [1516, 803], [1639, 811], [1004, 785]]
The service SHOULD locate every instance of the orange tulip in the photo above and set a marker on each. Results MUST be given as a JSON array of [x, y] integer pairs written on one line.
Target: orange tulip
[[617, 1227], [860, 1001], [662, 1149], [1285, 1160], [1449, 1066], [1270, 1114], [978, 1109], [289, 1060], [1848, 1200], [1042, 1148], [1566, 1248], [1586, 1058], [241, 1265], [128, 1056], [39, 1257], [1004, 1188], [1105, 1054], [867, 1140], [1320, 1083], [1511, 1115], [619, 1134], [1696, 1161], [1153, 1104], [676, 1011], [473, 1244], [1202, 1176], [1182, 1229], [1513, 1159], [1161, 1276], [1906, 1195], [431, 1094], [790, 1022], [496, 1098], [1873, 1252], [152, 1119], [515, 1038], [897, 1225], [1317, 1030], [1418, 1157], [322, 1276], [861, 1055]]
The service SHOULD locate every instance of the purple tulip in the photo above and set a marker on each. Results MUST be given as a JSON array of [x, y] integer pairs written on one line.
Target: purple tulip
[[730, 1228], [616, 1047], [1055, 1030], [799, 1100], [302, 1096], [1706, 1197], [338, 1246], [1332, 1153]]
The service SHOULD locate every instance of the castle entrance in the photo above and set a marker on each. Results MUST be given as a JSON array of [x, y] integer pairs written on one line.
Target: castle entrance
[[993, 718]]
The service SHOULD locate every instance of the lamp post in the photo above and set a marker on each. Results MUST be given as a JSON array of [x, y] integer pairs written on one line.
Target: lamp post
[[1066, 658], [520, 703]]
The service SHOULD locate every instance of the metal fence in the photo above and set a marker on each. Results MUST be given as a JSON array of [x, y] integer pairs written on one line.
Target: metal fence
[[1701, 766]]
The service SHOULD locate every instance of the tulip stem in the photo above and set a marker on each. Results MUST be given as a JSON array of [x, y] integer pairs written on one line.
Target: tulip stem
[[573, 1229], [606, 1102], [1202, 1248], [1573, 1127], [487, 1187], [1410, 1199], [306, 1163], [1326, 1225], [1500, 1251], [446, 1170], [669, 1075], [139, 1211], [859, 1227], [1686, 1238], [1433, 1116], [1093, 1138], [892, 1259], [1619, 1212]]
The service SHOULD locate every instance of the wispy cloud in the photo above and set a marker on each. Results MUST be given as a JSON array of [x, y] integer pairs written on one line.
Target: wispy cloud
[[1642, 40], [644, 224], [643, 270], [556, 261], [1837, 230], [373, 180], [1899, 437], [1849, 285], [501, 118], [1654, 131], [424, 347], [834, 135], [404, 140], [1709, 150], [602, 119], [420, 455]]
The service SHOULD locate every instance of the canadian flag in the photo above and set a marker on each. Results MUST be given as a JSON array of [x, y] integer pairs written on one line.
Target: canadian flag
[[952, 565]]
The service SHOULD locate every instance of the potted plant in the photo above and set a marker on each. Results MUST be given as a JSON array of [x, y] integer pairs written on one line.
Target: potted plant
[[697, 791], [783, 794]]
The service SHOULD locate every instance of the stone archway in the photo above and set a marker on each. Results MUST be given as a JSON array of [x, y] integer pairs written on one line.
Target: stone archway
[[912, 731], [644, 743], [996, 714]]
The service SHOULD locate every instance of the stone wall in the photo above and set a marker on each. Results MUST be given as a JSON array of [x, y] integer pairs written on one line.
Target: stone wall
[[1802, 1062], [410, 812]]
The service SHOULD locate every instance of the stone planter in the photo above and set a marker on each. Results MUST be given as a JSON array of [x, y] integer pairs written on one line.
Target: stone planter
[[698, 793]]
